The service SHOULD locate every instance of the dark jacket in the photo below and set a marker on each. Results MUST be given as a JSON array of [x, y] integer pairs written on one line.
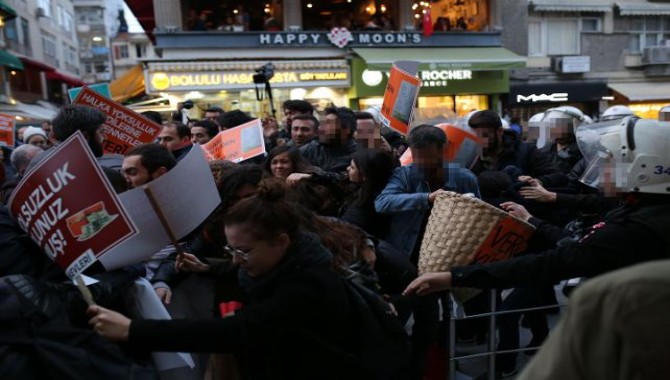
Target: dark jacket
[[635, 232], [289, 313], [329, 158], [367, 218], [182, 152], [529, 159], [566, 159]]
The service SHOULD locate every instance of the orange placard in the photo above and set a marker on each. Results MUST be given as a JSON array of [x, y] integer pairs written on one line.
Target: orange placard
[[463, 147], [124, 128], [506, 239], [237, 144], [6, 130], [400, 97]]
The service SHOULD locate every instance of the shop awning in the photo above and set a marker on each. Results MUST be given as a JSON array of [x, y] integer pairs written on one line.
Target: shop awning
[[144, 13], [70, 80], [572, 6], [642, 91], [36, 64], [469, 58], [629, 8], [128, 85], [6, 11], [10, 60]]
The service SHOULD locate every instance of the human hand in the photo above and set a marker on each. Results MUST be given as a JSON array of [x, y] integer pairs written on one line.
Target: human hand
[[164, 294], [530, 180], [187, 262], [109, 324], [429, 283], [537, 193], [431, 196], [517, 210], [294, 178], [269, 126]]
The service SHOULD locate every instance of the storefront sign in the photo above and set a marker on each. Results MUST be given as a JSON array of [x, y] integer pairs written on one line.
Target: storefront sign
[[212, 80], [124, 128], [534, 98], [574, 64], [558, 92], [67, 207], [6, 130], [339, 38]]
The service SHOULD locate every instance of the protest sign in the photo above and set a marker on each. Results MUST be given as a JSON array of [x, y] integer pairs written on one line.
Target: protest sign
[[124, 128], [100, 88], [185, 196], [507, 238], [462, 148], [6, 130], [69, 209], [400, 96], [237, 144]]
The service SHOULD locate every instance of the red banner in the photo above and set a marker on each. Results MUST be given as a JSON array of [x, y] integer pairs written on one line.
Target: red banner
[[69, 209], [124, 128], [237, 144], [6, 130]]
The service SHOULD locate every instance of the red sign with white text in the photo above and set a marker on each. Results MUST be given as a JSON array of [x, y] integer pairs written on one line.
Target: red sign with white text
[[237, 144], [124, 128], [6, 130], [69, 209]]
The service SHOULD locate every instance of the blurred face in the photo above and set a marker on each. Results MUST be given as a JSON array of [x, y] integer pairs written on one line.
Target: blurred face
[[355, 175], [95, 142], [19, 132], [491, 139], [256, 257], [199, 135], [330, 130], [38, 141], [302, 132], [170, 139], [428, 157], [213, 116], [281, 166], [368, 136]]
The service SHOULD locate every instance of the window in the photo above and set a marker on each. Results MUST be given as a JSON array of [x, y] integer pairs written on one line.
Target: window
[[59, 15], [140, 50], [591, 24], [88, 68], [557, 36], [49, 45], [121, 51], [11, 31], [46, 7], [648, 31], [25, 33]]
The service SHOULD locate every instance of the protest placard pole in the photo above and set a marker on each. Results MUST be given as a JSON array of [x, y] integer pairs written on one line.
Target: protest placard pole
[[163, 219]]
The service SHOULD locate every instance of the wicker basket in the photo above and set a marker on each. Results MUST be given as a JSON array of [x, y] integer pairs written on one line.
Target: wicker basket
[[462, 230]]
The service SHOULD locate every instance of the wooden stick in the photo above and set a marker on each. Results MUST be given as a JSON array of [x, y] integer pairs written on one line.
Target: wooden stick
[[85, 292], [163, 219]]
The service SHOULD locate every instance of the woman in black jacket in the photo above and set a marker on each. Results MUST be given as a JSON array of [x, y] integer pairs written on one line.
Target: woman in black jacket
[[297, 315]]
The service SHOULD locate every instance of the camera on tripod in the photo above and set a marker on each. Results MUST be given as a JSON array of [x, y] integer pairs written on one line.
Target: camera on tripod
[[264, 73]]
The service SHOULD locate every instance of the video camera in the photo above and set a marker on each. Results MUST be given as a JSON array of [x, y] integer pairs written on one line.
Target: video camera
[[264, 73]]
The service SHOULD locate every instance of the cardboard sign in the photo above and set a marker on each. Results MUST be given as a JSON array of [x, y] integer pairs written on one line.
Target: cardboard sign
[[124, 128], [237, 144], [463, 147], [174, 193], [504, 240], [69, 209], [6, 130], [400, 96], [100, 88]]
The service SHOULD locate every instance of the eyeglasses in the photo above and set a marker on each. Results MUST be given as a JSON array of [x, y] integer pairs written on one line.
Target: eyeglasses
[[237, 252]]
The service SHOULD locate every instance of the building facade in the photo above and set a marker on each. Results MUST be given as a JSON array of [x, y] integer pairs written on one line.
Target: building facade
[[97, 25]]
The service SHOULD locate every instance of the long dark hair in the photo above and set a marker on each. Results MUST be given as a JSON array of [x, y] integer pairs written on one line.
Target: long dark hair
[[376, 168], [300, 165]]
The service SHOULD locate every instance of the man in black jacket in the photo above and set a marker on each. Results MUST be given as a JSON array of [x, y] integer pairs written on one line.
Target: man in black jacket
[[335, 145]]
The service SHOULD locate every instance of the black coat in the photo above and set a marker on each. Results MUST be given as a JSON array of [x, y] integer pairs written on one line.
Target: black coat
[[329, 158], [635, 232], [280, 330]]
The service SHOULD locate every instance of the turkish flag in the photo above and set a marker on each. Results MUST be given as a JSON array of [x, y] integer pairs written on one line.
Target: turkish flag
[[427, 24]]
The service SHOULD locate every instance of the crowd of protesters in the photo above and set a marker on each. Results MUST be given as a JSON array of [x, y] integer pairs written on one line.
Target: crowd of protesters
[[329, 203]]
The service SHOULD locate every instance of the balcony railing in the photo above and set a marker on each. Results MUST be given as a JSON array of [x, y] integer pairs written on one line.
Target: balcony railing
[[19, 48]]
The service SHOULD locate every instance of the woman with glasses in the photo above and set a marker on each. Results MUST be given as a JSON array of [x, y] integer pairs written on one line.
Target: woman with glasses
[[296, 315]]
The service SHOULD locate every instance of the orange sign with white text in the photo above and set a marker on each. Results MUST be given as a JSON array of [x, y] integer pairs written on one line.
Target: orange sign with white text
[[237, 144], [400, 96], [6, 130], [505, 240]]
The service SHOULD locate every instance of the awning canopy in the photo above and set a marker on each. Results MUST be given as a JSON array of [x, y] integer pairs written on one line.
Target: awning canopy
[[10, 60], [37, 64], [6, 11], [629, 8], [572, 6], [144, 13], [128, 85], [70, 80], [642, 91], [467, 58]]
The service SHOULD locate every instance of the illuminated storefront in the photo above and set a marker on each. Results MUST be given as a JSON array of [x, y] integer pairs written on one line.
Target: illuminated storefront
[[645, 98], [230, 85], [526, 99]]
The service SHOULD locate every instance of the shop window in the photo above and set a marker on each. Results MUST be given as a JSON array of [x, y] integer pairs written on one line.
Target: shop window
[[454, 15], [233, 16], [648, 31], [350, 14]]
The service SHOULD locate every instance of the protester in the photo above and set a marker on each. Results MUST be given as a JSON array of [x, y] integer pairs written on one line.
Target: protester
[[203, 131], [234, 118], [35, 136], [304, 129], [176, 137], [214, 114], [294, 108], [284, 160], [297, 306], [20, 159]]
